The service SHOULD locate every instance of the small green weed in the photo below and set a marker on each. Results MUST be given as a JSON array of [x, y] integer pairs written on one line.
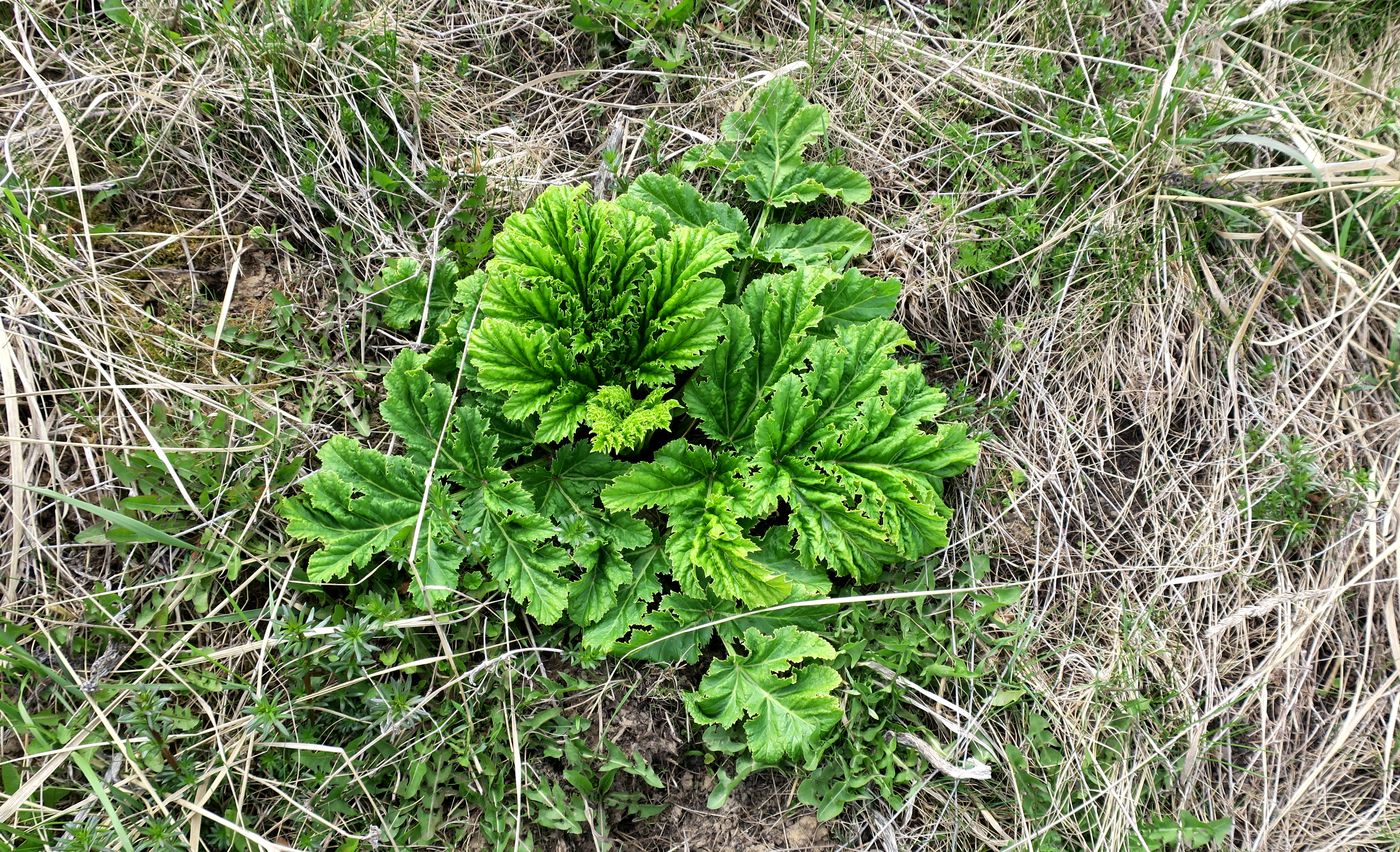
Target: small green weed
[[647, 29], [1295, 498]]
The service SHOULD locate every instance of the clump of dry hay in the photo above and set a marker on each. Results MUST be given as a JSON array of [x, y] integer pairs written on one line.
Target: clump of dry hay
[[1130, 427]]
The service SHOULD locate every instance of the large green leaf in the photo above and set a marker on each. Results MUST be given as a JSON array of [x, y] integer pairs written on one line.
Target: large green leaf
[[362, 504], [528, 567], [854, 298], [832, 528], [889, 463], [416, 407], [786, 707], [711, 553], [567, 486], [681, 474], [848, 369], [846, 448], [594, 594], [632, 599], [834, 242], [676, 631], [671, 202], [513, 359], [766, 336], [705, 500]]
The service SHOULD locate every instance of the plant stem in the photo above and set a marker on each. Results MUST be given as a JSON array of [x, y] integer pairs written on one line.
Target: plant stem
[[811, 42], [753, 241]]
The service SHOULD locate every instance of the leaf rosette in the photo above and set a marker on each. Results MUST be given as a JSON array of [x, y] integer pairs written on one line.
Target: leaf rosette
[[660, 419]]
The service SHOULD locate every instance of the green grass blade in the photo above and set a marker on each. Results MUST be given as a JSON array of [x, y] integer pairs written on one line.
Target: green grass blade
[[145, 531]]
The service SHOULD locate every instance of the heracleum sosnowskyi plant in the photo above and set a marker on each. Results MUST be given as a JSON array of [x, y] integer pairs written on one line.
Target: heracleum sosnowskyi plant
[[652, 413]]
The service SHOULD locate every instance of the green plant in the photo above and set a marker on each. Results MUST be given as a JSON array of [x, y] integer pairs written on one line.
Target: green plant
[[648, 28], [1296, 499], [412, 297], [752, 435], [1184, 831], [637, 17]]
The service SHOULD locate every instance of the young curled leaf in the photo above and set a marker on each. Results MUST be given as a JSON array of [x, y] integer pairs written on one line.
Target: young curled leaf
[[583, 297], [619, 422]]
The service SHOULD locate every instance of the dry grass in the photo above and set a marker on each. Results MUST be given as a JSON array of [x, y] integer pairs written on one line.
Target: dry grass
[[1111, 486]]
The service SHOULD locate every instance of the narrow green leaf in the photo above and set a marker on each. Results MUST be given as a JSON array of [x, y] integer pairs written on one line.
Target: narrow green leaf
[[139, 530]]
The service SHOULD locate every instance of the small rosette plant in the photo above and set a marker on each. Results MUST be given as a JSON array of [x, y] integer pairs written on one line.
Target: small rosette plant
[[662, 417]]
